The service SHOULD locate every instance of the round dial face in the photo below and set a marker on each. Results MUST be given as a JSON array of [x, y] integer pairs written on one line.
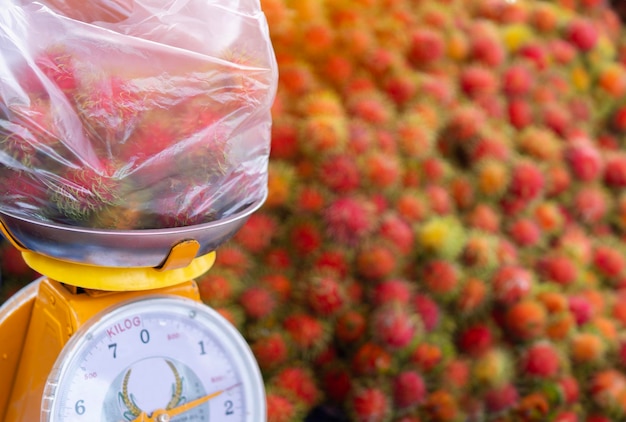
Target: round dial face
[[159, 359]]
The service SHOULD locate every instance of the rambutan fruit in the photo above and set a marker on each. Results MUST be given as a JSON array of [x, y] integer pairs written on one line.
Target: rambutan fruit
[[475, 340], [540, 144], [472, 295], [281, 407], [615, 171], [570, 389], [300, 381], [581, 308], [585, 161], [306, 332], [332, 261], [557, 268], [587, 348], [520, 113], [428, 311], [336, 382], [484, 217], [525, 232], [375, 261], [493, 368], [401, 88], [59, 67], [305, 236], [477, 81], [486, 45], [549, 217], [325, 295], [371, 359], [527, 181], [348, 219], [517, 80], [456, 374], [606, 386], [350, 326], [257, 302], [427, 356], [412, 206], [233, 258], [540, 360], [323, 134], [442, 237], [526, 320], [83, 192], [441, 406], [369, 404], [511, 284], [408, 389], [582, 33], [395, 326], [426, 47], [270, 350], [257, 232], [381, 171], [479, 252], [609, 261], [501, 398], [394, 290], [440, 277]]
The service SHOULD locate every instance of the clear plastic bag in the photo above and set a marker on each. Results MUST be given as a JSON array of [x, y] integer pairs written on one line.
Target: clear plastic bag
[[133, 114]]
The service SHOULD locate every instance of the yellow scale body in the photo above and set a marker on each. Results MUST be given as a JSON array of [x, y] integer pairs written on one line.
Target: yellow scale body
[[66, 296]]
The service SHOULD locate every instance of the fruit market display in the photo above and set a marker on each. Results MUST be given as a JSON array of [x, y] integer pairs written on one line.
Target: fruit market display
[[444, 236]]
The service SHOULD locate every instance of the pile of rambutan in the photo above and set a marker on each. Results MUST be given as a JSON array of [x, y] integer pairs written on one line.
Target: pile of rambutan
[[443, 238]]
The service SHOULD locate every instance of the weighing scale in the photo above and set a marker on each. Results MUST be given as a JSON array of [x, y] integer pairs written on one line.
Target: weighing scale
[[115, 330]]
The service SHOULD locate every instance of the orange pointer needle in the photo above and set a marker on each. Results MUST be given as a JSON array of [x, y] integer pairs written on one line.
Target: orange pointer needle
[[164, 415]]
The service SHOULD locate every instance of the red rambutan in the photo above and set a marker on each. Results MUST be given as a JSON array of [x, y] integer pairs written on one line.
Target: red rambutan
[[409, 389]]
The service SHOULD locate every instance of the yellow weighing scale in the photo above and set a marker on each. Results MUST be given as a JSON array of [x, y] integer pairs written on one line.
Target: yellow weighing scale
[[115, 330]]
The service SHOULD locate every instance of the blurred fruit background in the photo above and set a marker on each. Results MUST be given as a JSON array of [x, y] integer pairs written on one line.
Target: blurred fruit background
[[444, 237]]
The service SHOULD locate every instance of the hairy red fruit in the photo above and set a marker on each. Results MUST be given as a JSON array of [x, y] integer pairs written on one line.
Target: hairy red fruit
[[441, 406], [305, 237], [408, 389], [280, 408], [305, 331], [257, 233], [371, 359], [300, 382], [517, 80], [349, 219], [394, 326], [527, 181], [440, 277], [526, 320], [340, 173], [584, 161], [525, 232], [615, 171], [270, 351], [427, 356], [257, 302], [370, 404], [477, 81], [337, 384], [511, 283], [376, 261], [570, 388], [540, 360], [381, 170], [392, 291], [325, 295], [582, 33], [590, 204], [520, 113], [428, 310], [475, 340], [350, 326], [216, 288], [501, 398], [581, 308], [609, 261], [557, 268], [426, 47]]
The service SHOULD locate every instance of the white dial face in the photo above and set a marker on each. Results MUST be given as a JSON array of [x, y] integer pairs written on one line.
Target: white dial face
[[156, 359]]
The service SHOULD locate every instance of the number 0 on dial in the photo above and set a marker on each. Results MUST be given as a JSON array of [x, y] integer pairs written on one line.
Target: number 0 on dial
[[164, 359]]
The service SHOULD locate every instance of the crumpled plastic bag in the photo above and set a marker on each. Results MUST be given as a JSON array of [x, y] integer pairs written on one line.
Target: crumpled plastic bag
[[134, 114]]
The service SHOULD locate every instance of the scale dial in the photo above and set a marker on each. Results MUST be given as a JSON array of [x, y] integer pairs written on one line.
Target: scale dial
[[164, 359]]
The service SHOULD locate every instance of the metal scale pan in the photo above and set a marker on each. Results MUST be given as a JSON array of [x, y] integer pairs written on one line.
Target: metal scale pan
[[119, 248]]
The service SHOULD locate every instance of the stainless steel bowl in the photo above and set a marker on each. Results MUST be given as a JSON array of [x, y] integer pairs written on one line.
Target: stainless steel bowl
[[120, 248]]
